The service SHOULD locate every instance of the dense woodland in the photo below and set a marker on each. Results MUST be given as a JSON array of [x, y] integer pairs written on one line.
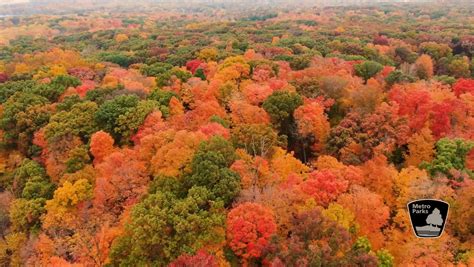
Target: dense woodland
[[203, 137]]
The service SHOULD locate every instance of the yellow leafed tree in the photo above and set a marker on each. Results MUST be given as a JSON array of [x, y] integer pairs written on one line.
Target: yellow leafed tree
[[420, 147]]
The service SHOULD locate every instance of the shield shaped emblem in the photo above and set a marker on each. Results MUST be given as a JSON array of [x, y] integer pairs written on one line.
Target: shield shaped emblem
[[428, 217]]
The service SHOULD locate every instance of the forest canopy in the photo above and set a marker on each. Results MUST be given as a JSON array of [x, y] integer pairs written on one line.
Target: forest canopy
[[235, 135]]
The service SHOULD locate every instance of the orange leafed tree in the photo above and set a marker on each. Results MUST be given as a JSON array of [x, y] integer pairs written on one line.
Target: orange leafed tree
[[312, 121], [121, 37], [424, 67], [256, 93], [283, 164], [463, 212], [214, 128], [254, 172], [406, 185], [379, 177], [44, 249], [415, 102], [424, 252], [57, 154], [102, 145], [153, 123], [420, 147], [464, 86], [353, 174], [94, 248], [169, 152], [370, 212], [201, 259], [324, 186], [245, 113], [249, 229], [121, 181], [202, 113]]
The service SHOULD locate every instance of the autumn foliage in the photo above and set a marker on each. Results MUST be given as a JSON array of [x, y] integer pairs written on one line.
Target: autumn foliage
[[234, 134], [249, 228]]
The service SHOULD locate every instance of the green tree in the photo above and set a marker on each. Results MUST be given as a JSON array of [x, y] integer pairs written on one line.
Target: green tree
[[25, 214], [58, 85], [162, 227], [450, 154], [9, 88], [300, 62], [436, 50], [280, 106], [163, 98], [362, 244], [459, 68], [27, 170], [385, 258], [155, 69], [398, 77], [78, 159], [200, 74], [38, 187], [79, 121], [99, 95], [66, 81], [68, 102], [446, 79], [405, 54], [131, 120], [117, 58], [29, 122], [107, 116], [164, 79], [15, 109], [210, 169], [367, 69]]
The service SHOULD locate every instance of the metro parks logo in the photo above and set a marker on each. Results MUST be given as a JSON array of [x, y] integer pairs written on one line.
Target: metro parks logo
[[428, 217]]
